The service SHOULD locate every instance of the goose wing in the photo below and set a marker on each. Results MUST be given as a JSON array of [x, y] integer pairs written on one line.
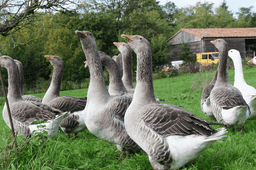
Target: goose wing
[[69, 103], [207, 91], [166, 120], [46, 107], [113, 120], [228, 98], [31, 98], [225, 98], [27, 112]]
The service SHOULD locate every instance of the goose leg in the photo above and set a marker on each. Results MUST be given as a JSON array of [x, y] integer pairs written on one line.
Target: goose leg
[[242, 130], [156, 165]]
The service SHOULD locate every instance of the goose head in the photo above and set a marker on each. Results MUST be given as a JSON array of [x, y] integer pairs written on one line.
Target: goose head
[[18, 63], [55, 60], [6, 61], [70, 124], [219, 43], [86, 38], [121, 46], [137, 42], [234, 54]]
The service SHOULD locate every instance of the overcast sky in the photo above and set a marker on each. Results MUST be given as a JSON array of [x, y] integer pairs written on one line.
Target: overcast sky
[[233, 5]]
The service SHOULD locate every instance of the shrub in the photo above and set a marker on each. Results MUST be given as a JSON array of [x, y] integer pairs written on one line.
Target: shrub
[[185, 53]]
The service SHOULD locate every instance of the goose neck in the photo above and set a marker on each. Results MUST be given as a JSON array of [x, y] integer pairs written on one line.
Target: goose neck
[[239, 76], [116, 85], [20, 67], [54, 88], [127, 68], [97, 88], [222, 77], [144, 90], [13, 84]]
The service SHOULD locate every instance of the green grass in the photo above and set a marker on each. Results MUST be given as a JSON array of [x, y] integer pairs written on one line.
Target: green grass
[[236, 151]]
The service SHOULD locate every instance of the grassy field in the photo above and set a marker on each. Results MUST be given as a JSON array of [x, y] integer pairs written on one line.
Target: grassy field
[[236, 151]]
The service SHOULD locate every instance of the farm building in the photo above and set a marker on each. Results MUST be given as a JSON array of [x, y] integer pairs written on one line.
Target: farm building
[[242, 39]]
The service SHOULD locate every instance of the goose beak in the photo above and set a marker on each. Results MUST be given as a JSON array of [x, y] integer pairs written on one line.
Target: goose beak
[[81, 34], [86, 64], [117, 44], [250, 61], [50, 57], [213, 41], [128, 38]]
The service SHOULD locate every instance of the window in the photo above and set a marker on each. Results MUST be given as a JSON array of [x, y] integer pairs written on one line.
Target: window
[[204, 56], [215, 55]]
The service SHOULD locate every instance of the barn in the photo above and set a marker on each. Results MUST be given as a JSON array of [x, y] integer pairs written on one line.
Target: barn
[[242, 39]]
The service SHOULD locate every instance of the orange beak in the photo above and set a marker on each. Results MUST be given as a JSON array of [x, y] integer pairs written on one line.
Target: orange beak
[[117, 44], [213, 41], [50, 57], [86, 64], [130, 37], [81, 32]]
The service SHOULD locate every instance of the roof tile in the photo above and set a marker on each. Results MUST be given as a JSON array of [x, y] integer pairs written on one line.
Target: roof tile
[[219, 32]]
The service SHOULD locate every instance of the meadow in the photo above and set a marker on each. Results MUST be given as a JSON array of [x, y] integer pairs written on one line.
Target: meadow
[[236, 151]]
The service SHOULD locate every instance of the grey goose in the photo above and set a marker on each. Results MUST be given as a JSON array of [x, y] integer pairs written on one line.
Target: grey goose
[[126, 52], [205, 98], [104, 113], [75, 122], [25, 97], [227, 102], [118, 60], [116, 86], [25, 113], [170, 135]]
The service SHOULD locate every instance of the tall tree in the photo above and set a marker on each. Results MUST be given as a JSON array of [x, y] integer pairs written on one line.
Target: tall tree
[[198, 16], [13, 12]]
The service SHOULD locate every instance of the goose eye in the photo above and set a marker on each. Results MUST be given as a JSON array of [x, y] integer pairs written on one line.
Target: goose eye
[[123, 44], [140, 38]]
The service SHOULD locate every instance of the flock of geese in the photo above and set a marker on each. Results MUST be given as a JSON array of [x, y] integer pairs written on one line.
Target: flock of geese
[[130, 117]]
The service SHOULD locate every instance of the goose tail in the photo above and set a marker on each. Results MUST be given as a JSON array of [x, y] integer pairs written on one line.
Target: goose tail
[[218, 135], [51, 126]]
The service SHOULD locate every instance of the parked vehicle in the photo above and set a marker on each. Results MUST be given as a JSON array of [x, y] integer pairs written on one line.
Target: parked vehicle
[[207, 58], [176, 64]]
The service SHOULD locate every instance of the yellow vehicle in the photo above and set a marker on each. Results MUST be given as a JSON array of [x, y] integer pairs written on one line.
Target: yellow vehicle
[[207, 58]]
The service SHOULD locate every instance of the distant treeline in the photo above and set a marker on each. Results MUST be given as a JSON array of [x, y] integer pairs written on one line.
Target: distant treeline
[[54, 33]]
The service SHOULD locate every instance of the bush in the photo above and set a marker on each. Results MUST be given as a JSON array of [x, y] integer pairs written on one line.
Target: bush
[[186, 54]]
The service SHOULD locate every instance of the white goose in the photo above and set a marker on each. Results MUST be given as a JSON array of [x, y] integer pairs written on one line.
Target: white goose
[[253, 60], [104, 114], [227, 102], [248, 92], [205, 99], [75, 122], [25, 112], [25, 97], [126, 52], [119, 62], [170, 135]]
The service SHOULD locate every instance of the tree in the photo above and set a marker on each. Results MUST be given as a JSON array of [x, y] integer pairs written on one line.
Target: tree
[[198, 16], [15, 13], [185, 53]]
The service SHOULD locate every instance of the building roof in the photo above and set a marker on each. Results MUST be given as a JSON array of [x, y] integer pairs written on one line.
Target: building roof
[[219, 32]]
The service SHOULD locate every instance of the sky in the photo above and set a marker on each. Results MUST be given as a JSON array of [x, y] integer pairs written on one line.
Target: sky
[[233, 5]]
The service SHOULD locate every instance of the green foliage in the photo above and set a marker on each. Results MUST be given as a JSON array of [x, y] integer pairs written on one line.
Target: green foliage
[[160, 50], [185, 53], [202, 16]]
